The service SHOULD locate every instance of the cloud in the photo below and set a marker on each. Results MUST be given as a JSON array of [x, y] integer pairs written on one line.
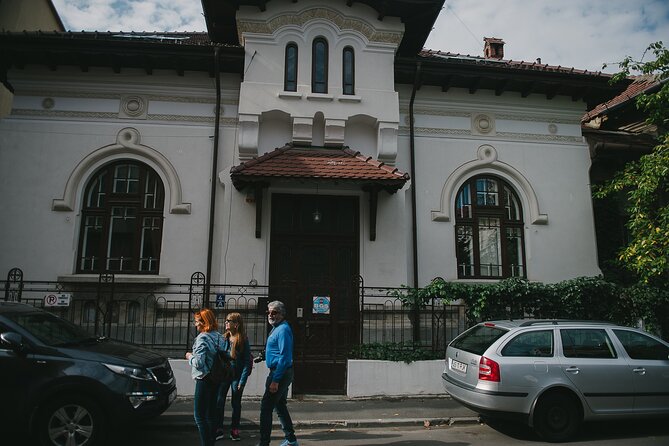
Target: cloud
[[131, 15], [569, 33]]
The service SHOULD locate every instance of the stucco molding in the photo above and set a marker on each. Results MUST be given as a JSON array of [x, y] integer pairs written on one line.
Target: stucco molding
[[103, 95], [486, 160], [302, 17], [127, 142]]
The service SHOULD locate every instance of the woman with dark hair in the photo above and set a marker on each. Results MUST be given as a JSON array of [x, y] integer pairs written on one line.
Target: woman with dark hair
[[206, 344], [237, 344]]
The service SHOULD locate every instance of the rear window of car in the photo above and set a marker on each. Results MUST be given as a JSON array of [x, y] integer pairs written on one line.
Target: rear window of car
[[478, 339]]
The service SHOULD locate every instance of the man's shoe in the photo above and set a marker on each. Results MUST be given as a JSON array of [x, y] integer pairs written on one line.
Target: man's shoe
[[234, 435], [219, 434], [289, 443]]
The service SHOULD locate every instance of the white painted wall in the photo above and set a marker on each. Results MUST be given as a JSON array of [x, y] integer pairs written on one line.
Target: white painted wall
[[369, 378]]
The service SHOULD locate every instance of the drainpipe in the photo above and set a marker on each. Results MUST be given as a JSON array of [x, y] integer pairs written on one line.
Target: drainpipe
[[414, 231], [214, 171]]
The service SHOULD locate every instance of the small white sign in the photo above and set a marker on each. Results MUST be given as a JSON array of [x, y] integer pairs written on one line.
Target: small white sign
[[57, 300]]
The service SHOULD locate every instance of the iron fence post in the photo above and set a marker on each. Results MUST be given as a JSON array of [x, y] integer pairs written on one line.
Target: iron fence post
[[14, 276]]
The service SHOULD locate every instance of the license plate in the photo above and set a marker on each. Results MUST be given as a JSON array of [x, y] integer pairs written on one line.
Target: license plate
[[458, 366], [172, 396]]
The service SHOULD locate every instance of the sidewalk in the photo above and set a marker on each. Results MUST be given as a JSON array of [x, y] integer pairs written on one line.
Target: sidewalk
[[335, 411]]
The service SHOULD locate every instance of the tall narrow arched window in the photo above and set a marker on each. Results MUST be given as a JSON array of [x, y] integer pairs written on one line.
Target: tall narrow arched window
[[319, 66], [290, 76], [348, 71], [122, 220], [489, 230]]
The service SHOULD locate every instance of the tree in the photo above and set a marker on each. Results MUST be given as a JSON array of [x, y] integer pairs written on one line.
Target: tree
[[646, 180]]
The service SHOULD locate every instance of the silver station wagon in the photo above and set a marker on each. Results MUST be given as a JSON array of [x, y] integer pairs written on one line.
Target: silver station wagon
[[554, 374]]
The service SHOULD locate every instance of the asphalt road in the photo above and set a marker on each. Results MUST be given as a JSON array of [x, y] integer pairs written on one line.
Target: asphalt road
[[626, 433]]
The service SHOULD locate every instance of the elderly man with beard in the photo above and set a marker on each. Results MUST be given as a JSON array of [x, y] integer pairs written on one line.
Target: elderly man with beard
[[279, 360]]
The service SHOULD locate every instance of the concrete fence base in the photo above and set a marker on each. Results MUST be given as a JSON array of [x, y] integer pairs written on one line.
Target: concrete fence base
[[365, 378]]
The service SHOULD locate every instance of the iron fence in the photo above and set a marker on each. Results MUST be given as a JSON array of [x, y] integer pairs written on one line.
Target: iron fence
[[160, 316]]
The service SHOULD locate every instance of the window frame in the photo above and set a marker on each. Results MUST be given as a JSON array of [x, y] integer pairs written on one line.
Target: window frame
[[478, 212], [287, 66], [348, 88], [316, 64], [113, 201]]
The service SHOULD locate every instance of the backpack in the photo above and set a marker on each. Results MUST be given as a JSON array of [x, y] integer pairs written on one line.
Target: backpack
[[221, 369]]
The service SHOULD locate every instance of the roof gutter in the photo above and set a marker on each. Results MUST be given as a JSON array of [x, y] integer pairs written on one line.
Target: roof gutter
[[214, 171]]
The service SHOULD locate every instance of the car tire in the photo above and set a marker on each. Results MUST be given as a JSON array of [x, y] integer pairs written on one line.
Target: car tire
[[557, 417], [71, 420]]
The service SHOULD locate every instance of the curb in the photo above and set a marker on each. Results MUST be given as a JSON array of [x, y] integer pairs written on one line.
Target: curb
[[183, 424]]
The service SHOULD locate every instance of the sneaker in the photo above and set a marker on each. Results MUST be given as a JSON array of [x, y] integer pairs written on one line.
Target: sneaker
[[219, 434], [234, 435], [289, 443]]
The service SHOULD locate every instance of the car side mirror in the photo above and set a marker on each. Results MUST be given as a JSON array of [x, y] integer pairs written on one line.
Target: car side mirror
[[13, 340]]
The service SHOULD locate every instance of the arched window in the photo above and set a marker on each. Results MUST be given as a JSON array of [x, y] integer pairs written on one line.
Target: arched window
[[290, 76], [122, 220], [348, 71], [319, 66], [489, 230]]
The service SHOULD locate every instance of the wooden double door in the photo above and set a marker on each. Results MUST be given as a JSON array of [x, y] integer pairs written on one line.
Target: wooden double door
[[314, 270]]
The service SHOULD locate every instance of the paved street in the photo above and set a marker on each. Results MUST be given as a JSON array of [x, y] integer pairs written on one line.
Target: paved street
[[638, 433]]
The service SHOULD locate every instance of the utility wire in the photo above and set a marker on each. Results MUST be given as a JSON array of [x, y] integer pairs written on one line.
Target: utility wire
[[478, 41]]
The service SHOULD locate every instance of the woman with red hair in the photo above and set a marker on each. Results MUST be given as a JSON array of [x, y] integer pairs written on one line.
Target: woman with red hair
[[208, 341]]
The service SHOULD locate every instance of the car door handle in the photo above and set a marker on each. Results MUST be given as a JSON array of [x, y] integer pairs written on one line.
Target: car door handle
[[640, 371], [574, 370]]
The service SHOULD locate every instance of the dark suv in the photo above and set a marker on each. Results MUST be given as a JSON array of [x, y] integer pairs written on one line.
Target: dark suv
[[67, 387]]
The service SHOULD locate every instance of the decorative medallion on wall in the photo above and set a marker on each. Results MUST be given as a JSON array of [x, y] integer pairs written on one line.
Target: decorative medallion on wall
[[133, 107], [552, 129], [483, 124], [48, 103]]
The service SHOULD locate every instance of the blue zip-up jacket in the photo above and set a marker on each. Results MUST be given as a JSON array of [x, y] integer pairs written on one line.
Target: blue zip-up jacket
[[279, 350], [206, 344]]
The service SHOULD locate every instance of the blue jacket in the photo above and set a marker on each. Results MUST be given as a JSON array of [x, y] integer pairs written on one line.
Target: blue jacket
[[279, 350], [206, 344], [242, 365]]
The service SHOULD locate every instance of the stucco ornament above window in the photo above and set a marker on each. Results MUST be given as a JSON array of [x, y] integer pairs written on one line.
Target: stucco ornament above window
[[487, 162], [127, 144], [302, 17]]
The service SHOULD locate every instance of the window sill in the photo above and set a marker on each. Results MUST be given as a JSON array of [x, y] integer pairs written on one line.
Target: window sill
[[319, 97], [349, 98], [118, 278], [290, 95]]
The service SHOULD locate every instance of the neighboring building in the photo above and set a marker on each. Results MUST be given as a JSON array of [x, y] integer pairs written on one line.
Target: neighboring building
[[303, 143], [617, 133]]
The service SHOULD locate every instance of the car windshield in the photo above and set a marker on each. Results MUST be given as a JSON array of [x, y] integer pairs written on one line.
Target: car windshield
[[478, 339], [50, 329]]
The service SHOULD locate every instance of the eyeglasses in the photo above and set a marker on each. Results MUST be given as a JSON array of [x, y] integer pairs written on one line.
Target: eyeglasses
[[272, 312], [197, 322], [229, 321]]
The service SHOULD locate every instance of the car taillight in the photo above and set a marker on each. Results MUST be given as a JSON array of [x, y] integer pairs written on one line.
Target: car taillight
[[488, 370]]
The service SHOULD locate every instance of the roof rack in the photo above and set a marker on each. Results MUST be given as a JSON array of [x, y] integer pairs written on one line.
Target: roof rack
[[561, 322]]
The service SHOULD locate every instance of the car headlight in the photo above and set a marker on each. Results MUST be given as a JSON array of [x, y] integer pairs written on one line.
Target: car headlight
[[131, 372]]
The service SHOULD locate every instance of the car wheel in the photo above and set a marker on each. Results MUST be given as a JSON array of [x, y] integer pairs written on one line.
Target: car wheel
[[557, 417], [71, 421]]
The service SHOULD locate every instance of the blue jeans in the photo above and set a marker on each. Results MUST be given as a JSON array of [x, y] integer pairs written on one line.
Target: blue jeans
[[204, 410], [235, 402], [272, 401]]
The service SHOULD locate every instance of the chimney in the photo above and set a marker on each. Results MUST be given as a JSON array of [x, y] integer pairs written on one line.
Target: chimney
[[494, 48]]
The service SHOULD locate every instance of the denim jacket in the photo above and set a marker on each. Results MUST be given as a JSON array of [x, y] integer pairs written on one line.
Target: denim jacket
[[206, 344]]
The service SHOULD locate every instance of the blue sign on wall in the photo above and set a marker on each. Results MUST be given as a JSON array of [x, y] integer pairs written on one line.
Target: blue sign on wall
[[321, 305], [220, 300]]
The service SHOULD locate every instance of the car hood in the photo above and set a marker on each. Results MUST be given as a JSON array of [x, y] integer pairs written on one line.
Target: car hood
[[114, 352]]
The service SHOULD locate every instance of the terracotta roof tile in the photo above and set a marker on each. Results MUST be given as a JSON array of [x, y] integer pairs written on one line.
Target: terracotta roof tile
[[316, 163], [640, 85]]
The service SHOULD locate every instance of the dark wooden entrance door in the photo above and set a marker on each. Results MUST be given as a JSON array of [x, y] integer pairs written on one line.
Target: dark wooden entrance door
[[314, 271]]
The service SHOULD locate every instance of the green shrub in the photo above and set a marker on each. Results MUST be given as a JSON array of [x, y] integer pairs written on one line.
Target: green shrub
[[391, 351]]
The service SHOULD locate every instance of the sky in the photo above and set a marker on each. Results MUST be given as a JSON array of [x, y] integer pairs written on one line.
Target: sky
[[584, 34]]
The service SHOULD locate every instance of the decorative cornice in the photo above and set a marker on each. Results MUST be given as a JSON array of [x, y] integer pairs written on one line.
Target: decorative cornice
[[107, 115], [499, 135], [506, 116], [301, 18], [102, 95]]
